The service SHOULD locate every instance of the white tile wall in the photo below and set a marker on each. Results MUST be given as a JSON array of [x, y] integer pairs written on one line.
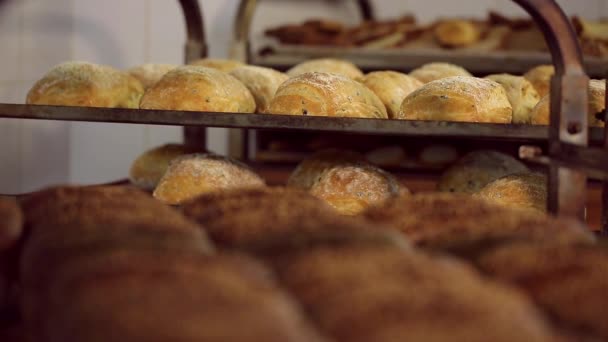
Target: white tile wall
[[36, 34]]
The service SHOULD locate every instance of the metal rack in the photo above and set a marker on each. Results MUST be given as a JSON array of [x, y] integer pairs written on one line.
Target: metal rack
[[568, 154]]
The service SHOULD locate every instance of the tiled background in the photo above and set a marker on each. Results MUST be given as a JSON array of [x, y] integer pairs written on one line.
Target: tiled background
[[37, 34]]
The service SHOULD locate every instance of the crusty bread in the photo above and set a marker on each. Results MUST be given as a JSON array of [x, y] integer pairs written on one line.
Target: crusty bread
[[88, 85], [597, 94], [465, 225], [195, 174], [459, 98], [197, 88], [455, 33], [540, 77], [149, 74], [225, 65], [435, 71], [521, 93], [11, 223], [147, 170], [327, 65], [521, 190], [308, 171], [261, 82], [322, 94], [476, 169], [391, 87], [563, 280]]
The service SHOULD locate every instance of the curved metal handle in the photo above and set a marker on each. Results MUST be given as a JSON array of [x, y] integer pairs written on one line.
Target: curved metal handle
[[196, 46], [239, 49]]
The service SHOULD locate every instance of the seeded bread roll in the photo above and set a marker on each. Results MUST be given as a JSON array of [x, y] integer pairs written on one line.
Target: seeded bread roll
[[322, 94], [147, 170], [597, 94], [199, 88], [457, 33], [459, 98], [521, 190], [149, 74], [261, 82], [327, 65], [476, 169], [195, 174], [540, 77], [88, 85], [435, 71], [225, 65], [391, 87], [521, 93]]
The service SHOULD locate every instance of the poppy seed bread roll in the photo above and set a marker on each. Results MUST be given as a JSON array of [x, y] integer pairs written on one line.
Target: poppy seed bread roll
[[225, 65], [435, 71], [88, 85], [459, 98], [149, 74], [391, 87], [261, 82], [322, 94], [521, 93], [327, 65], [195, 174], [196, 88]]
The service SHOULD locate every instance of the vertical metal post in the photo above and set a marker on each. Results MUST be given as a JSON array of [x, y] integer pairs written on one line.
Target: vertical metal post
[[604, 227]]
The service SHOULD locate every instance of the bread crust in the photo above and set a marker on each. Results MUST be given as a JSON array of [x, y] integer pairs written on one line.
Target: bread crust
[[225, 65], [540, 77], [526, 190], [458, 98], [322, 94], [391, 87], [196, 88], [435, 71], [327, 65], [261, 82], [87, 85], [522, 96]]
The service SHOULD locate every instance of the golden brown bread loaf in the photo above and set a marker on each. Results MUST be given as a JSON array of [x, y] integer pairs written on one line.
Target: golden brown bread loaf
[[307, 172], [459, 98], [147, 170], [563, 280], [521, 93], [88, 85], [540, 77], [391, 87], [370, 293], [322, 94], [462, 224], [597, 94], [225, 65], [149, 74], [197, 88], [261, 82], [11, 223], [435, 71], [192, 175], [455, 33], [327, 65], [526, 190], [476, 169]]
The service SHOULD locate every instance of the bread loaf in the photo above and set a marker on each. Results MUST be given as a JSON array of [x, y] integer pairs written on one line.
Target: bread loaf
[[597, 94], [326, 65], [322, 94], [225, 65], [521, 190], [540, 77], [456, 33], [435, 71], [391, 87], [522, 96], [147, 170], [261, 82], [197, 88], [149, 74], [460, 98], [476, 169], [195, 174], [87, 85], [308, 171]]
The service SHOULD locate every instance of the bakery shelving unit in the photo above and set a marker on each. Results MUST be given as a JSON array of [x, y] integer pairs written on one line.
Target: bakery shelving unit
[[568, 155]]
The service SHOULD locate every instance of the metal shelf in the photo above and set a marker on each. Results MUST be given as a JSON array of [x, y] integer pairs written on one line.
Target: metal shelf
[[524, 133]]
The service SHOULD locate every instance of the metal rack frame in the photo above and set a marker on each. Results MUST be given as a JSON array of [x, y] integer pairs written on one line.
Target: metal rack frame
[[567, 135]]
